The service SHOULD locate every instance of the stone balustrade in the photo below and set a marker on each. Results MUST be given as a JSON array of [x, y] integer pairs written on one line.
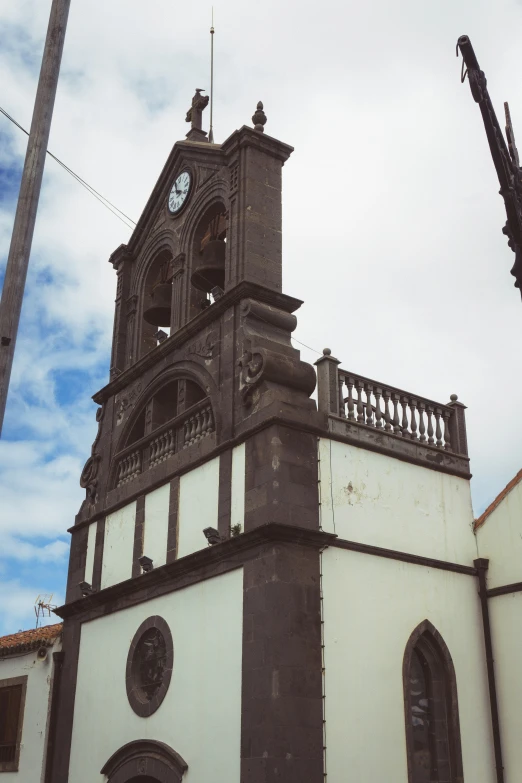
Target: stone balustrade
[[365, 403]]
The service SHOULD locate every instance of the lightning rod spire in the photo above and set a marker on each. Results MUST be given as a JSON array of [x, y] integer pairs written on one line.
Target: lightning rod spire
[[211, 131]]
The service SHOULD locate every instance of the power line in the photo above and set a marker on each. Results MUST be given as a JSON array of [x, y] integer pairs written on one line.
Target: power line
[[106, 203]]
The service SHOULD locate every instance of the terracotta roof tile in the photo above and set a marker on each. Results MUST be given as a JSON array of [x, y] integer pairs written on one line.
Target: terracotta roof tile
[[500, 497], [25, 641]]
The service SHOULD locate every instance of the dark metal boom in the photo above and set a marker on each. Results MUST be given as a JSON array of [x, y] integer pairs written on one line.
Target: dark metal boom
[[505, 158]]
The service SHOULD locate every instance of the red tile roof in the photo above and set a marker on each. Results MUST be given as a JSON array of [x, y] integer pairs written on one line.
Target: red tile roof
[[500, 497], [25, 641]]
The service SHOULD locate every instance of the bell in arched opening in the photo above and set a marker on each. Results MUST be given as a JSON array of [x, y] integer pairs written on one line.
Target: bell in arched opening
[[159, 310], [209, 270]]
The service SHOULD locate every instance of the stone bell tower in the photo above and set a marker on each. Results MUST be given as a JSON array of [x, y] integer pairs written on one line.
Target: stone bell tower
[[200, 431]]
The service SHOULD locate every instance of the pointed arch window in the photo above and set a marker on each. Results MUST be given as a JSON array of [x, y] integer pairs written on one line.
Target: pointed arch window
[[431, 709]]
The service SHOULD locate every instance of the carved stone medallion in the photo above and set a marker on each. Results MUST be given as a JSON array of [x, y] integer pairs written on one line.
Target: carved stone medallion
[[149, 666]]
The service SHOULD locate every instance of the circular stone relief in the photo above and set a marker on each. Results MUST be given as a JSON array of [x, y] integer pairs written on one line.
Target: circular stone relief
[[149, 666]]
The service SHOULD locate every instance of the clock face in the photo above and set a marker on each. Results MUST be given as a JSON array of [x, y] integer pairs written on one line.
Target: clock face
[[180, 191]]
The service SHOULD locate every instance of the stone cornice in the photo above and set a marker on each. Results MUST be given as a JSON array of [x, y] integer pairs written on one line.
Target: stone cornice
[[183, 150], [244, 290], [247, 137], [141, 587]]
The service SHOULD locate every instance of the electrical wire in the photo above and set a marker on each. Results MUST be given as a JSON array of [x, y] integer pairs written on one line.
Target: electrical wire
[[106, 203]]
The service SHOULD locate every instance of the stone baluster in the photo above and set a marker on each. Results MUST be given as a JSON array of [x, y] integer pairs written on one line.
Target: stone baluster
[[350, 400], [422, 426], [396, 419], [193, 427], [162, 447], [387, 418], [341, 380], [186, 433], [438, 430], [378, 411], [405, 426], [211, 423], [360, 404], [204, 422], [447, 435], [429, 413], [413, 424], [369, 409], [199, 423]]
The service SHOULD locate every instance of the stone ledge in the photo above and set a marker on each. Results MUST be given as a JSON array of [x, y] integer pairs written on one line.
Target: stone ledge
[[391, 445]]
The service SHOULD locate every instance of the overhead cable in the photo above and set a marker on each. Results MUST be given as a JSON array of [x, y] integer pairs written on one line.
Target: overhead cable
[[106, 203]]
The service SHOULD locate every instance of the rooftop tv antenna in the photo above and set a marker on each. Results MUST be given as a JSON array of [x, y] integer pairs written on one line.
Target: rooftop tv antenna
[[43, 607], [211, 131]]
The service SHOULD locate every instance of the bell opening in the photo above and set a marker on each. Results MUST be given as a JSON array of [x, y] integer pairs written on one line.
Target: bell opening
[[209, 267]]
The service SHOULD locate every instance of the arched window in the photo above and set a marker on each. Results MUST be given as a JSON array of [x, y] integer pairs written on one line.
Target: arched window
[[175, 416], [157, 302], [431, 709]]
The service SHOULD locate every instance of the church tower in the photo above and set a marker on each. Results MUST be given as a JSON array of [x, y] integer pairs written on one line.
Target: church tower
[[260, 590], [192, 614]]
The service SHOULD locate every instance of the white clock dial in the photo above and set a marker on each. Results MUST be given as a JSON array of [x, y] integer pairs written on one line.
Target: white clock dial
[[179, 192]]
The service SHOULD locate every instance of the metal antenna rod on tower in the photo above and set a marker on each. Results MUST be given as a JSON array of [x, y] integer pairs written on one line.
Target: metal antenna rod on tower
[[22, 237], [211, 131]]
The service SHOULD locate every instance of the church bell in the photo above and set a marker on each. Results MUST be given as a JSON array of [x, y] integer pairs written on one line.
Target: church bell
[[211, 271], [159, 311]]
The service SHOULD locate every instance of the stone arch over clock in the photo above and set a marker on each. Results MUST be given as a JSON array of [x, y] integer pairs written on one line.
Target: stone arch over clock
[[145, 761]]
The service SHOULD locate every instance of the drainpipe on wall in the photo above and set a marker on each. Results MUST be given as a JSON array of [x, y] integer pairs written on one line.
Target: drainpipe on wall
[[481, 564], [51, 736]]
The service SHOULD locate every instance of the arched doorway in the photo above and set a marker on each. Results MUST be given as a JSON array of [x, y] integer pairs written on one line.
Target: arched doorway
[[144, 761]]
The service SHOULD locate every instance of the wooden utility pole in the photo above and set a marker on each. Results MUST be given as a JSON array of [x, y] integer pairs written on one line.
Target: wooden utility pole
[[21, 240]]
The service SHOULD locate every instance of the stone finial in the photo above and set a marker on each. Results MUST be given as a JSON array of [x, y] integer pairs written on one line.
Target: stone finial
[[327, 352], [453, 397], [259, 118]]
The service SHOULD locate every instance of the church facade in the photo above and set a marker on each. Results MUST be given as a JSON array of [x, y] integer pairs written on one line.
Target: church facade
[[262, 588]]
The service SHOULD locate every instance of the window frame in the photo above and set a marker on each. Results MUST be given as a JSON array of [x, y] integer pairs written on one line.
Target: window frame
[[12, 766], [449, 686]]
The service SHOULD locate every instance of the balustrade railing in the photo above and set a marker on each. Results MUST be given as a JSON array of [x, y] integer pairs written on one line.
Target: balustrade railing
[[181, 432], [380, 406], [392, 410]]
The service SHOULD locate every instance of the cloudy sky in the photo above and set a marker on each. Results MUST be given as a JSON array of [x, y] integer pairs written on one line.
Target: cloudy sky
[[392, 219]]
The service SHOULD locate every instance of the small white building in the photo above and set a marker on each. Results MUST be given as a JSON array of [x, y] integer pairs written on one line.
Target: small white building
[[499, 539], [29, 662]]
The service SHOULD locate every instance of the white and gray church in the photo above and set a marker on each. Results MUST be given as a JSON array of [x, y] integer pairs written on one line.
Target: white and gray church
[[262, 588]]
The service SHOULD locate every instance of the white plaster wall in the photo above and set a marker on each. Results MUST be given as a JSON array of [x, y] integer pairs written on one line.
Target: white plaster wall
[[200, 716], [156, 526], [37, 703], [89, 558], [500, 539], [506, 631], [371, 606], [237, 514], [374, 499], [118, 546], [198, 506]]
